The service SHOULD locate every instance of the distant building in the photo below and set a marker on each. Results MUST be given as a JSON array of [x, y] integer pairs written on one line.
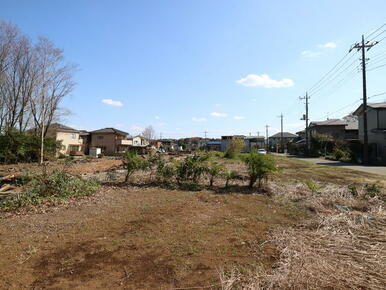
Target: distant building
[[251, 142], [276, 138], [213, 145]]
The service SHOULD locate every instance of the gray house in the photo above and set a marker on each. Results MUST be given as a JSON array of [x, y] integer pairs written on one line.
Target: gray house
[[376, 130]]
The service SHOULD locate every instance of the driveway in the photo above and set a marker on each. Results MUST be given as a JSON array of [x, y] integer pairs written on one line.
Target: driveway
[[364, 168]]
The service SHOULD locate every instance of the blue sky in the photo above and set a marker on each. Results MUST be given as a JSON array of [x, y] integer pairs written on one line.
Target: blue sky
[[186, 67]]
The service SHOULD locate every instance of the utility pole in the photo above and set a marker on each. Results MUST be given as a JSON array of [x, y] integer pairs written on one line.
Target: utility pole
[[258, 134], [305, 118], [363, 46], [205, 132], [266, 134], [281, 133]]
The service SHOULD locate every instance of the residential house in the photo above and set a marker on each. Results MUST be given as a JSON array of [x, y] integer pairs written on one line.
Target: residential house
[[376, 130], [255, 142], [276, 139], [110, 140], [336, 129], [169, 144], [139, 141], [71, 143]]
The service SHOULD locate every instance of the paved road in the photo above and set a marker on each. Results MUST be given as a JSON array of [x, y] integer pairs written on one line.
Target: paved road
[[365, 168]]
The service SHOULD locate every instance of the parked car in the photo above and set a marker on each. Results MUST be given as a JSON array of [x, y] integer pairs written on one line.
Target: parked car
[[262, 151]]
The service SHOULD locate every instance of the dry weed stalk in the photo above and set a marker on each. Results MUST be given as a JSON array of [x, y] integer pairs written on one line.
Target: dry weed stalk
[[343, 246]]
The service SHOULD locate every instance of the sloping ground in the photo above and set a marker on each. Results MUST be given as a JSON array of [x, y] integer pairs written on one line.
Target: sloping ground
[[139, 238]]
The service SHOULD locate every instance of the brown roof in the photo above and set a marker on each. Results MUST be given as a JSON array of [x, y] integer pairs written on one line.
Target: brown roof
[[62, 128], [110, 131]]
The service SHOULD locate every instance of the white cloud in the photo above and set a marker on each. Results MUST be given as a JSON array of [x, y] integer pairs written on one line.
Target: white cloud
[[216, 114], [309, 53], [217, 105], [156, 117], [195, 119], [265, 81], [328, 45], [239, 117], [111, 102]]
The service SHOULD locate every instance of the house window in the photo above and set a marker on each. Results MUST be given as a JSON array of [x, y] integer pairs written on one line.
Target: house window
[[73, 136], [100, 137]]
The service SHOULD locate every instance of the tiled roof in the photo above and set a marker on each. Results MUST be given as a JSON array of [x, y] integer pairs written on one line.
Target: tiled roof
[[111, 131]]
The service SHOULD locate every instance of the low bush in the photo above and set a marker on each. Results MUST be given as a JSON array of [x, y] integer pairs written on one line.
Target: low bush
[[214, 170], [259, 167], [53, 186], [191, 168], [134, 162], [235, 148], [231, 175]]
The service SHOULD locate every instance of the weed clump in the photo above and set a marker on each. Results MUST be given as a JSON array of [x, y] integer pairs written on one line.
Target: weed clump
[[54, 186]]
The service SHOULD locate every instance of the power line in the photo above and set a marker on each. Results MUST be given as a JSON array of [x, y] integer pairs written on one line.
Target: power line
[[369, 40], [338, 71], [376, 30], [325, 75]]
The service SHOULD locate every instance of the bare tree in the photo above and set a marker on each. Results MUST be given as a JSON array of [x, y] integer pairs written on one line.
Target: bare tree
[[149, 132], [54, 82]]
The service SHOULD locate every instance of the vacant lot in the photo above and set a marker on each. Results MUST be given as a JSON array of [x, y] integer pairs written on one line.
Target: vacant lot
[[146, 237]]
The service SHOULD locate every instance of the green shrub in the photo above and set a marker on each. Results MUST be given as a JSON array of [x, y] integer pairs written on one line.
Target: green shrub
[[235, 147], [259, 167], [166, 172], [134, 162], [230, 175], [191, 168], [16, 146], [341, 154], [214, 170], [373, 190], [53, 186]]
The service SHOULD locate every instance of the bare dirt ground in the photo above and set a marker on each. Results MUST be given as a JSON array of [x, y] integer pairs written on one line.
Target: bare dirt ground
[[138, 238], [145, 237]]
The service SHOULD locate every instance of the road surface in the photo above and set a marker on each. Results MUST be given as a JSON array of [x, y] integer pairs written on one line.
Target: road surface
[[365, 168]]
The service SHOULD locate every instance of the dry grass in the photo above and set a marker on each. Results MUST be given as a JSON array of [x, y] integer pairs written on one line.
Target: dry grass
[[342, 247]]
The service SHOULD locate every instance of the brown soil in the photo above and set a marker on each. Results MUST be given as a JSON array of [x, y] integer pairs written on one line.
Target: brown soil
[[138, 238]]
